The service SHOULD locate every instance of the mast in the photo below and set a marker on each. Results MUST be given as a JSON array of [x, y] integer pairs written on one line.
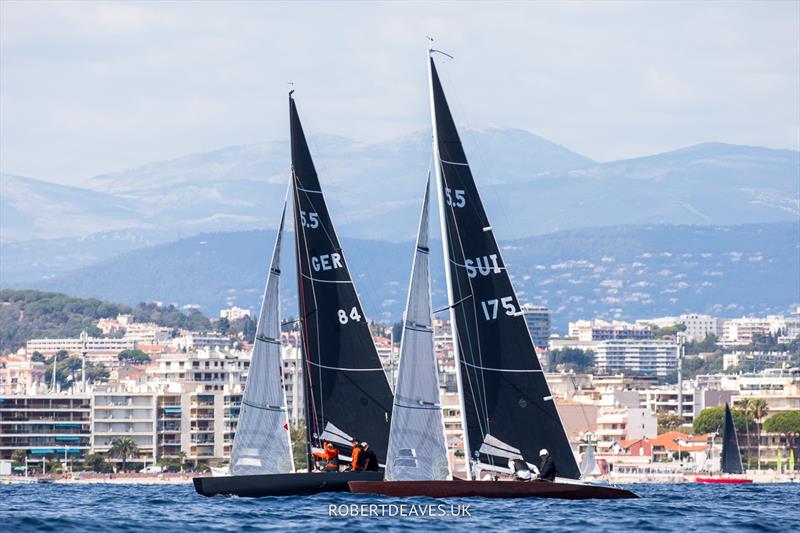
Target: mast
[[262, 442], [437, 163], [347, 392]]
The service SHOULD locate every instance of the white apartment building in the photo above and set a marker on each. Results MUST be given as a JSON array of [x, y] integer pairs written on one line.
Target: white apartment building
[[147, 334], [196, 341], [234, 313], [644, 357], [779, 387], [293, 383], [99, 350], [699, 326], [45, 425], [537, 318], [600, 330], [209, 369], [453, 430], [19, 374], [120, 413]]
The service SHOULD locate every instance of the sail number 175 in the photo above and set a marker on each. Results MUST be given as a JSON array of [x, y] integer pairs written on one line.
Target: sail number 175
[[490, 307]]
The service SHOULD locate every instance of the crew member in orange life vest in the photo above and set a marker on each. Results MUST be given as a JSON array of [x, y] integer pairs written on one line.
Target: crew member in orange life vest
[[358, 460], [331, 457]]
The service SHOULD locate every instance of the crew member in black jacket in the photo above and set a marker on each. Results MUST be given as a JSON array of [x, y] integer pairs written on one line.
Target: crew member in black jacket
[[547, 470]]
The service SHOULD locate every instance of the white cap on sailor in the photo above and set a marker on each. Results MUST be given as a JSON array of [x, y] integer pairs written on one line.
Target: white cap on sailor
[[543, 452]]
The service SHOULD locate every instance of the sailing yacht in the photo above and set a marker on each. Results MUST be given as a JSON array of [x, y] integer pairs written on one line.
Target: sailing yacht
[[347, 393], [508, 411], [730, 461]]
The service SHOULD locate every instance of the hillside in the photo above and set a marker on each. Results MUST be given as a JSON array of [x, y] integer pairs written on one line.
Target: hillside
[[530, 185], [620, 272], [26, 314]]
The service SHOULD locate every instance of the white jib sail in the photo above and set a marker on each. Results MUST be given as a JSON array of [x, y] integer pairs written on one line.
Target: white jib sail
[[589, 466], [417, 446], [262, 444]]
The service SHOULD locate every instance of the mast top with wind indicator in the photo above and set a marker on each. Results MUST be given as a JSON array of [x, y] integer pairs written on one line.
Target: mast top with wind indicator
[[432, 50], [291, 84]]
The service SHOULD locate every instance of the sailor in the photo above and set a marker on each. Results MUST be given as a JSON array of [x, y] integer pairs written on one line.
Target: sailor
[[370, 459], [547, 470], [357, 455], [331, 457], [519, 469]]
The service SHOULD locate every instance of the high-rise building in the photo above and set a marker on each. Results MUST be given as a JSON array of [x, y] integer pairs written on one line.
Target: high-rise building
[[537, 317]]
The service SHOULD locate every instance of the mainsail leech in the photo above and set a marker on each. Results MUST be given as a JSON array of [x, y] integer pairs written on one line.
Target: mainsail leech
[[417, 445], [344, 381], [504, 393], [262, 444]]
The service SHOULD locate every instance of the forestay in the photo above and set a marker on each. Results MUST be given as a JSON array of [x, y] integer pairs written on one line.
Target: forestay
[[417, 446], [262, 444], [504, 392], [345, 382]]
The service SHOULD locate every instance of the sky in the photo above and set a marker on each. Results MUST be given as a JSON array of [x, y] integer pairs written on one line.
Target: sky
[[90, 88]]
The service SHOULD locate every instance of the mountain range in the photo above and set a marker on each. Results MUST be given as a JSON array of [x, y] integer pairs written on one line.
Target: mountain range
[[530, 185], [621, 272]]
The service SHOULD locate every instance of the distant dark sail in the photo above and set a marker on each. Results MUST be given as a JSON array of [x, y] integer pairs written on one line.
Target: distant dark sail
[[509, 410], [347, 393], [731, 460]]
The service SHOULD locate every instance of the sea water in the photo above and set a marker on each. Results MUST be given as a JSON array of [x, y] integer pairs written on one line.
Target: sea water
[[680, 507]]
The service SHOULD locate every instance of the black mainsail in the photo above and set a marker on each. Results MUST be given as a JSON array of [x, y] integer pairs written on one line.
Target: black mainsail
[[346, 390], [731, 459], [508, 409]]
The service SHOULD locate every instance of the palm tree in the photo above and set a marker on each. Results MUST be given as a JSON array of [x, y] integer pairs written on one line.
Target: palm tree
[[124, 447], [182, 457], [745, 406], [759, 410]]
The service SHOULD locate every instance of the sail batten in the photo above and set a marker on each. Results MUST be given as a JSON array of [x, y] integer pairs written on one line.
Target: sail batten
[[345, 385], [417, 444], [262, 444], [504, 392]]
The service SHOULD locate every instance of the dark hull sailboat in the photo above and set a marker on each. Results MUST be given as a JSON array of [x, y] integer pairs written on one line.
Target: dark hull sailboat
[[508, 410], [731, 459], [347, 393], [298, 484], [457, 488]]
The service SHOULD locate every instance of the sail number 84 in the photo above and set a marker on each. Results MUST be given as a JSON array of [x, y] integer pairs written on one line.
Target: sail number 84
[[490, 307], [344, 318]]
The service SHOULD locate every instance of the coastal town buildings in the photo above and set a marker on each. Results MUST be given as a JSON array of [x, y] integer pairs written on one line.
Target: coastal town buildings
[[537, 318]]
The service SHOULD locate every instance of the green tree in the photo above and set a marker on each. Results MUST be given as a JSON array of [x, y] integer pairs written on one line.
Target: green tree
[[37, 357], [96, 462], [299, 446], [223, 326], [668, 331], [710, 420], [783, 422], [668, 422], [18, 457], [574, 359], [133, 357], [709, 344], [124, 448], [759, 409]]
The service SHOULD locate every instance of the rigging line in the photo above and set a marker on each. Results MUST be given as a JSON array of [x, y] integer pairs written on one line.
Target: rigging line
[[347, 369], [317, 280], [478, 267], [479, 404], [515, 370], [446, 307], [482, 381], [313, 426]]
